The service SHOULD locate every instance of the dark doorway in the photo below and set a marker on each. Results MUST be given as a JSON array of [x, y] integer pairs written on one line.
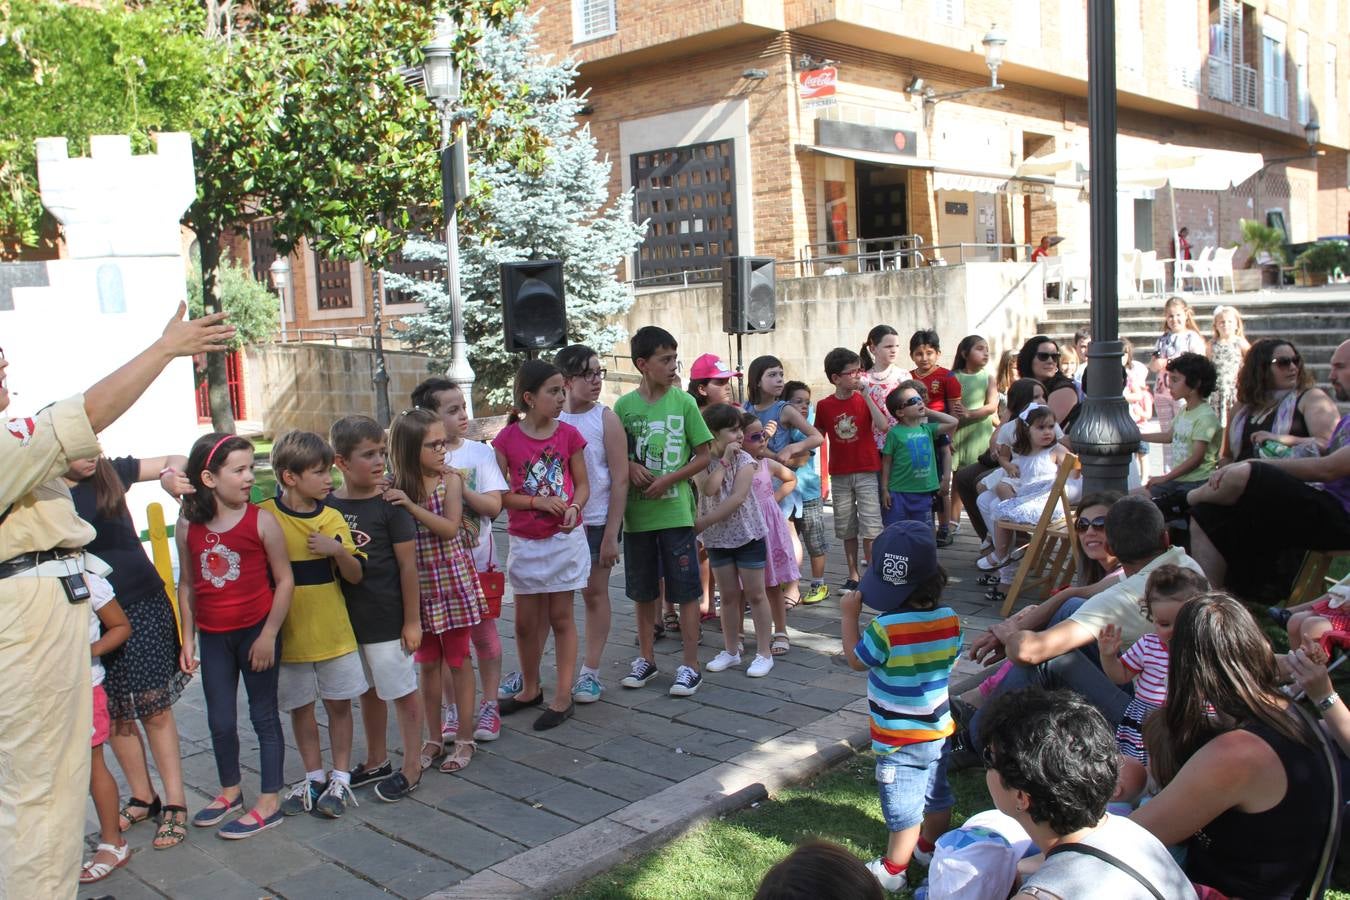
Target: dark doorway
[[883, 208]]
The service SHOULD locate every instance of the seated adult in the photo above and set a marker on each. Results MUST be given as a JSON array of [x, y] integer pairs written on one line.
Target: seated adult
[[1246, 787], [1065, 654], [1251, 511], [1051, 765], [1039, 359], [1280, 411]]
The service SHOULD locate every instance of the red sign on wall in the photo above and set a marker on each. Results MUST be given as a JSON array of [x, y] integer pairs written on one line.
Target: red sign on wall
[[817, 84]]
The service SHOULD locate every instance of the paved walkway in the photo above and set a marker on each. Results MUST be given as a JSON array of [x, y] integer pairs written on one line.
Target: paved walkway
[[533, 814]]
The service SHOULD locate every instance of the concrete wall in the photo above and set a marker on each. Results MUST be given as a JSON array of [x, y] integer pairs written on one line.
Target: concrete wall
[[1001, 301], [309, 386]]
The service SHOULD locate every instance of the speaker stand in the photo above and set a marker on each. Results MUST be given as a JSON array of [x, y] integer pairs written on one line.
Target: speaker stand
[[740, 375]]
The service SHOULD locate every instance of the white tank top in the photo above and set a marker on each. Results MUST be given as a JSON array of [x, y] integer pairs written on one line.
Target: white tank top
[[591, 424]]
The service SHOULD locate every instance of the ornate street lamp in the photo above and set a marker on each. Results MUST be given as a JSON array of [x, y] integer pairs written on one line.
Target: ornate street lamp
[[280, 271]]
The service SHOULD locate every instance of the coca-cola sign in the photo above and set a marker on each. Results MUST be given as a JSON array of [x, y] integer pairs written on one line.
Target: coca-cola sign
[[817, 84]]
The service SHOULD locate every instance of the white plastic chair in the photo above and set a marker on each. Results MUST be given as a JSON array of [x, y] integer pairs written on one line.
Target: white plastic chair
[[1077, 267], [1192, 268], [1128, 274], [1151, 270], [1054, 274], [1220, 267]]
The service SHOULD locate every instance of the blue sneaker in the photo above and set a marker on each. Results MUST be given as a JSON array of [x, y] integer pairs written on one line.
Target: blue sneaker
[[302, 797], [587, 689], [511, 684], [641, 672], [333, 802]]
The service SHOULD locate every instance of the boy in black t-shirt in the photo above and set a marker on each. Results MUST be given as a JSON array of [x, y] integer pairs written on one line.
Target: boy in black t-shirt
[[383, 608]]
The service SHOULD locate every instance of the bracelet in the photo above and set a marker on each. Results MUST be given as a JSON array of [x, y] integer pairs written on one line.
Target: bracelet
[[725, 464], [574, 506], [167, 469], [1328, 702]]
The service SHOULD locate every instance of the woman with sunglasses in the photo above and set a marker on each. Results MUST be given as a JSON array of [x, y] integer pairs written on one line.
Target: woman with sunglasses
[[1039, 359], [1280, 410], [1050, 764]]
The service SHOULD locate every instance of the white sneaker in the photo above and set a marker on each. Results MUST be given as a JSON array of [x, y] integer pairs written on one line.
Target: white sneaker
[[921, 857], [723, 661], [760, 666], [888, 881]]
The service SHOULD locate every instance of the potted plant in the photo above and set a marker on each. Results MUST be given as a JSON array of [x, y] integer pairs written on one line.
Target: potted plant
[[1319, 261], [1265, 248]]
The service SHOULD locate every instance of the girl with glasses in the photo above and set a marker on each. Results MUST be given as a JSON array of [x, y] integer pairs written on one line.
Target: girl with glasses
[[772, 482]]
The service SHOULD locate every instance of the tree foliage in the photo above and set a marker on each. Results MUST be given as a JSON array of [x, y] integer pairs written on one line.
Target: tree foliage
[[254, 310], [559, 210]]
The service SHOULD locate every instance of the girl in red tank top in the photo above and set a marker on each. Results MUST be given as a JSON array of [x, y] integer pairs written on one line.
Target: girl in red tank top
[[234, 587]]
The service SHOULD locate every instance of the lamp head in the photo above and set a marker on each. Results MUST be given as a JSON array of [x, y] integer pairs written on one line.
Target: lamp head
[[916, 85], [440, 75], [280, 270], [1313, 131], [994, 42]]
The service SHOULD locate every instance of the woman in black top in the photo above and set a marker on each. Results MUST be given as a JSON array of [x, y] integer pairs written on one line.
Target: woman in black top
[[1280, 409], [143, 678], [1039, 359]]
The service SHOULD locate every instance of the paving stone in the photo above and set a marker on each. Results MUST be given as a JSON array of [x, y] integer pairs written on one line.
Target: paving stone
[[559, 761], [163, 869], [727, 697], [520, 746], [273, 858], [455, 840], [735, 724], [219, 885], [486, 885], [506, 777], [612, 778], [326, 882], [706, 794], [387, 862], [821, 698], [580, 735], [654, 758], [580, 804], [518, 821], [584, 852]]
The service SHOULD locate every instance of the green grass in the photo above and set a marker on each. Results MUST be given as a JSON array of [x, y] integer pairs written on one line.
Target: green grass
[[728, 856]]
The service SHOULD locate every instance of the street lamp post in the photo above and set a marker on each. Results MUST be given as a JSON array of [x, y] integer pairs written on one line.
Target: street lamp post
[[441, 78], [1104, 435], [994, 42], [280, 270]]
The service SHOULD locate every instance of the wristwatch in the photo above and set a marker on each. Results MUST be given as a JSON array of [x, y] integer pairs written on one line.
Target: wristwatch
[[1328, 702]]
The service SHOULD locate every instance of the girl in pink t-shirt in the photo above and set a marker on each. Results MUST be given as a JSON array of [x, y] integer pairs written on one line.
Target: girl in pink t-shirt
[[544, 464]]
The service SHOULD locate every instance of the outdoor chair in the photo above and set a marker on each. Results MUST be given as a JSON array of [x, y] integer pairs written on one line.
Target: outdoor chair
[[1311, 581], [1049, 561], [1193, 269], [1152, 271], [1220, 267]]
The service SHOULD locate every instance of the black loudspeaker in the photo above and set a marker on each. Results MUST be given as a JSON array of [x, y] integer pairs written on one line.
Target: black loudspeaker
[[748, 292], [534, 312]]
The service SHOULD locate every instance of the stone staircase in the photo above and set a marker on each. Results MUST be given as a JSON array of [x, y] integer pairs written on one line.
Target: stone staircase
[[1316, 320]]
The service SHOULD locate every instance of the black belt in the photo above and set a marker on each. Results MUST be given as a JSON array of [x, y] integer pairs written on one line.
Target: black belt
[[25, 561]]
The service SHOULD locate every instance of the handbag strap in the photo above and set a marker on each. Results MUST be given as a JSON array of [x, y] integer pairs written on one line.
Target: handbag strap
[[1111, 861], [1333, 838]]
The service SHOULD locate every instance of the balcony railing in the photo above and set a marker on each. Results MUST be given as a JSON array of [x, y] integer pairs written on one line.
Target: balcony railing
[[1244, 86], [1219, 75], [1275, 97]]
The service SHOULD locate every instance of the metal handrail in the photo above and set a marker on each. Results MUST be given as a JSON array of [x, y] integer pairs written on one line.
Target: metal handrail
[[897, 246]]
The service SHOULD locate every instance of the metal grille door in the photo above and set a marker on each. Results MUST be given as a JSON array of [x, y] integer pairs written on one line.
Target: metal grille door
[[688, 197]]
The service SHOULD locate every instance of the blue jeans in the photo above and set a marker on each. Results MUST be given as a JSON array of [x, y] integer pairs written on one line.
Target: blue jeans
[[912, 781], [224, 657], [1079, 670]]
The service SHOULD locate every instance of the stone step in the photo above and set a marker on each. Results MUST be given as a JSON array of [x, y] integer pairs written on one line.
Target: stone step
[[1332, 321]]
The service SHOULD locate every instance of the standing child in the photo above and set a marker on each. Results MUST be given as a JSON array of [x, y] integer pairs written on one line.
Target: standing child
[[483, 490], [710, 384], [235, 586], [544, 461], [1226, 351], [780, 567], [943, 394], [848, 417], [108, 630], [606, 456], [383, 608], [449, 598], [779, 418], [318, 648], [880, 373], [909, 461], [1195, 433], [908, 650], [1004, 377], [1180, 335], [803, 505], [1140, 401], [1145, 663], [667, 446], [1024, 491], [733, 529], [976, 428]]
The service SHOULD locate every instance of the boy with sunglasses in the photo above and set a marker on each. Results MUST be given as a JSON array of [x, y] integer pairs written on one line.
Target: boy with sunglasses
[[910, 468]]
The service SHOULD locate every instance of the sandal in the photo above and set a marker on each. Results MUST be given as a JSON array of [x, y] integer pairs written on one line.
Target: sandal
[[97, 871], [780, 643], [988, 578], [172, 829], [994, 595], [791, 602], [671, 621], [427, 760], [128, 819], [460, 757]]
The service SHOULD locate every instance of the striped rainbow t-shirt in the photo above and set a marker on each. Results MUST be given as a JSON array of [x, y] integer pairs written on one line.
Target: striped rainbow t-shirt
[[910, 655]]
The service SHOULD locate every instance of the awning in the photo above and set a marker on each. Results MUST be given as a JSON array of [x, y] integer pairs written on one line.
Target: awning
[[1144, 164], [987, 182], [871, 156]]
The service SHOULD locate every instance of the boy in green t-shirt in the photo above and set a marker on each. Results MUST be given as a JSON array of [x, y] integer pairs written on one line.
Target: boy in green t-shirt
[[667, 444], [909, 461], [1195, 433]]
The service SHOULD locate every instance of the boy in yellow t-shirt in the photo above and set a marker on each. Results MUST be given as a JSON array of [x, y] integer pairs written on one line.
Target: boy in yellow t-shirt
[[318, 647]]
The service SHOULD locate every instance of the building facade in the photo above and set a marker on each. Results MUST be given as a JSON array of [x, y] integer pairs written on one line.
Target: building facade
[[800, 128]]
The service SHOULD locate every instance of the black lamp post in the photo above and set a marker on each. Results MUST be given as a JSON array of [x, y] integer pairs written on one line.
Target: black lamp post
[[1104, 435]]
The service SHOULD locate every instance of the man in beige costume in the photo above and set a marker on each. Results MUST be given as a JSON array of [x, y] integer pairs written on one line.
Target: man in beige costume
[[45, 698]]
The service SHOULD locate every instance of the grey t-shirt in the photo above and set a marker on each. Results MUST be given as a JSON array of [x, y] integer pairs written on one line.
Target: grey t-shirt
[[1071, 876]]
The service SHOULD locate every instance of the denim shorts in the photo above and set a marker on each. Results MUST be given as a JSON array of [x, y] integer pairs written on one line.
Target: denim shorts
[[912, 781], [669, 553], [595, 535], [752, 555]]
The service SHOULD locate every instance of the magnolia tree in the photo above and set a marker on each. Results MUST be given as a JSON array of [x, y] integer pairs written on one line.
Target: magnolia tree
[[558, 211]]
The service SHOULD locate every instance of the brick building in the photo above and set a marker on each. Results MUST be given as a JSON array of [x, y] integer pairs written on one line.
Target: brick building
[[703, 107]]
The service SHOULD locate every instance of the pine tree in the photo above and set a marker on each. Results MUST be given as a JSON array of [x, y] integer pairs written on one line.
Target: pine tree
[[557, 212]]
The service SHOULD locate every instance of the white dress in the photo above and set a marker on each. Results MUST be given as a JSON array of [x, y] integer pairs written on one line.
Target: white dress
[[1033, 484]]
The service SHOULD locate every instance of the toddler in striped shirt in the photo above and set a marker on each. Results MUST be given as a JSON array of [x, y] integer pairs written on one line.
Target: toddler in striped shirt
[[1145, 663], [908, 650]]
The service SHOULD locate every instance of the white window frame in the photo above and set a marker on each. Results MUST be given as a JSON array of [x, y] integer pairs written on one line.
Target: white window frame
[[1274, 73], [1331, 112], [1302, 94], [579, 20]]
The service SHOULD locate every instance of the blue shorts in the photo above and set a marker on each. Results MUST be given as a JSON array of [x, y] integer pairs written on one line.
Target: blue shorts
[[912, 781], [669, 553], [752, 555], [595, 535], [906, 507]]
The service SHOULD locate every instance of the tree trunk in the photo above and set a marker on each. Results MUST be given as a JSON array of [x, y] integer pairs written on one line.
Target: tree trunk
[[217, 376]]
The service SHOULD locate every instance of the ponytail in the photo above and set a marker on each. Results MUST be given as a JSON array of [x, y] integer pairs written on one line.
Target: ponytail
[[874, 337]]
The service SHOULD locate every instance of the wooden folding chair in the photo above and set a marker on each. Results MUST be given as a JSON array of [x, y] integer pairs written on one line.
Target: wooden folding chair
[[1049, 562], [1311, 581]]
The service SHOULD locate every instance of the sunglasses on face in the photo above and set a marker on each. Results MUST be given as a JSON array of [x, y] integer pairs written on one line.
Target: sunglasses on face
[[1043, 356], [1286, 362], [1098, 523], [912, 401], [757, 438]]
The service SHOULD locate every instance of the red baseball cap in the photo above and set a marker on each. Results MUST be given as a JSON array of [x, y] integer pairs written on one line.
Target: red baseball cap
[[710, 366]]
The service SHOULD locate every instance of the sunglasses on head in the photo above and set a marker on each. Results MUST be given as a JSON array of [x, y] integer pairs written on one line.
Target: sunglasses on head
[[1098, 523], [1286, 362], [1045, 356]]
